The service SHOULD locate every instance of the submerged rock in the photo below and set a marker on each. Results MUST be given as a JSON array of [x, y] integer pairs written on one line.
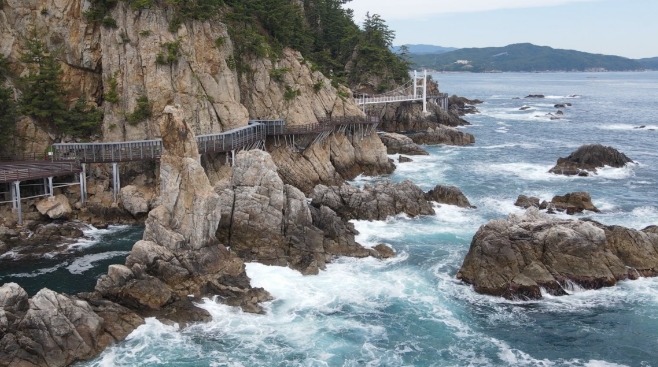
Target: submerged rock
[[588, 158], [403, 159], [535, 96], [517, 256], [400, 144], [574, 202], [527, 201], [450, 195]]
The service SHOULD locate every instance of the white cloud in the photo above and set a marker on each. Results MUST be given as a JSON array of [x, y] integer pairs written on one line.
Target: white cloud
[[419, 9]]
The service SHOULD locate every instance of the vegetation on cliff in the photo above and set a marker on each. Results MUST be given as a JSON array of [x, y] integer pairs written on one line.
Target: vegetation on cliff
[[523, 57], [322, 30]]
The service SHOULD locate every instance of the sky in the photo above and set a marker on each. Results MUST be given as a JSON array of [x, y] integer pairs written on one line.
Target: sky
[[626, 28]]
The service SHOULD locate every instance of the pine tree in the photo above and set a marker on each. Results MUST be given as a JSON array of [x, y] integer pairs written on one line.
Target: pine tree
[[43, 89], [7, 120]]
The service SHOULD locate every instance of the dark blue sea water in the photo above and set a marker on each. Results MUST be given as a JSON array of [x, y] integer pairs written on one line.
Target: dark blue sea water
[[411, 311]]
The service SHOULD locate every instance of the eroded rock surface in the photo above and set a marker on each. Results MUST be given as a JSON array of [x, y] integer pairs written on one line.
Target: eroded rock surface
[[266, 220], [52, 329], [400, 144], [574, 202], [517, 256], [588, 158], [376, 202], [55, 207]]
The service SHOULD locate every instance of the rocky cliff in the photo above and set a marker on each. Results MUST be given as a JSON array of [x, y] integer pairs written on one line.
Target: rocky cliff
[[201, 74]]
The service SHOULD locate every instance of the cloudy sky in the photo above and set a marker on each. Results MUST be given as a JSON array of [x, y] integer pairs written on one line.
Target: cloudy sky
[[617, 27]]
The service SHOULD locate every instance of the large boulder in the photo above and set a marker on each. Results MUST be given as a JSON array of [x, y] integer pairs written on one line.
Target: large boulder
[[450, 195], [526, 202], [442, 135], [574, 202], [53, 329], [588, 158], [135, 200], [376, 202], [55, 207], [517, 256], [400, 144]]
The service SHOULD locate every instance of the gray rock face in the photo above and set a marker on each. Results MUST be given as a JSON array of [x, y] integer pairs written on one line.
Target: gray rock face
[[588, 158], [55, 208], [400, 144], [450, 195], [180, 255], [52, 329], [517, 256], [134, 200], [442, 135], [265, 220], [373, 202]]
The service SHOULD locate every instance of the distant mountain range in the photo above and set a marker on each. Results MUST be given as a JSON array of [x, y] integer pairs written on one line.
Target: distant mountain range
[[526, 57], [651, 63], [424, 49]]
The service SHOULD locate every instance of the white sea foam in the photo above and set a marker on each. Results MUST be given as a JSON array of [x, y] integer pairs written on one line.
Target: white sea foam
[[82, 264], [93, 235], [38, 272], [628, 127]]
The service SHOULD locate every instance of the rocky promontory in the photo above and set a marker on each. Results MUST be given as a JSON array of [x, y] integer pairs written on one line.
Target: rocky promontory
[[519, 256], [400, 144], [588, 158], [442, 135]]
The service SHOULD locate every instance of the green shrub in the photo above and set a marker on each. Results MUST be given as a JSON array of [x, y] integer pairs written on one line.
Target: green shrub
[[318, 86], [171, 54], [277, 74], [145, 33], [291, 94], [141, 113], [109, 22], [112, 95]]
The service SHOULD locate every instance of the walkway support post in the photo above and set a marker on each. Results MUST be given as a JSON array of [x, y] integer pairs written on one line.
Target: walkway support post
[[425, 91], [17, 198], [415, 84], [83, 185], [116, 182], [50, 187]]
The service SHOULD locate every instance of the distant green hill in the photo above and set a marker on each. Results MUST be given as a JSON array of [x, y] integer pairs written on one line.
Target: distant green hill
[[523, 57], [651, 63], [424, 49]]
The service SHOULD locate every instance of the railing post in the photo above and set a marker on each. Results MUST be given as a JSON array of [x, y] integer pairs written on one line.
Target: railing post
[[116, 182], [50, 186], [425, 91], [83, 185]]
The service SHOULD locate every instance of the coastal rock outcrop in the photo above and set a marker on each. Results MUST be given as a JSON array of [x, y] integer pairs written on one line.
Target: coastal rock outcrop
[[518, 256], [336, 159], [266, 220], [408, 116], [52, 329], [450, 195], [442, 135], [574, 202], [180, 256], [376, 202], [401, 144], [135, 200], [526, 202], [463, 106], [588, 158]]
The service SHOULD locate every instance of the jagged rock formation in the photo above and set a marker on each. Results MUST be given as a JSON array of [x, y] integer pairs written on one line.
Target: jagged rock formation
[[442, 135], [53, 329], [266, 220], [588, 158], [517, 256], [526, 202], [574, 202], [463, 106], [136, 200], [337, 159], [450, 195], [409, 116], [180, 255], [400, 144], [376, 202]]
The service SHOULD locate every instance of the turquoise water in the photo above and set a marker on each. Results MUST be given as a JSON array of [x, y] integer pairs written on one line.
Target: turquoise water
[[411, 311]]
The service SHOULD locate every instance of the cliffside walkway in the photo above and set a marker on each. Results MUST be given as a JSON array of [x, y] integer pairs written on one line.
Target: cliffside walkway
[[71, 158], [416, 90]]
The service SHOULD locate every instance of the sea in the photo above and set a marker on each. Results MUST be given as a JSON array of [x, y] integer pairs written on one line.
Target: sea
[[411, 310]]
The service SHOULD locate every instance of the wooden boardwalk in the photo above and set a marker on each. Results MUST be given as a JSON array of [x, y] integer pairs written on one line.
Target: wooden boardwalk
[[23, 171]]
